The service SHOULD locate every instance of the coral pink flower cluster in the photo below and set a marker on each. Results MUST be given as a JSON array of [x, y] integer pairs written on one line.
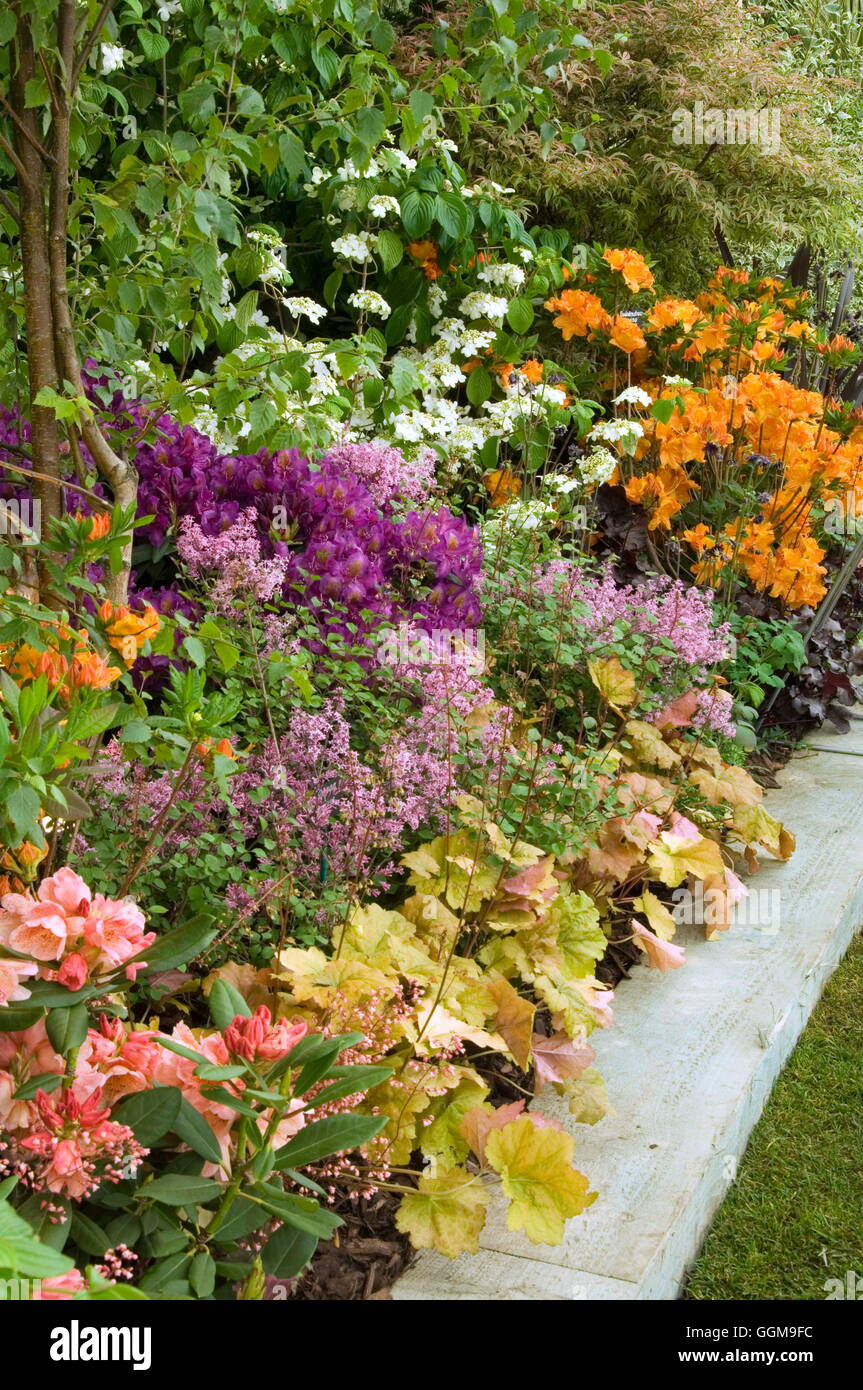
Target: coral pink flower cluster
[[254, 1039], [77, 1146], [69, 935]]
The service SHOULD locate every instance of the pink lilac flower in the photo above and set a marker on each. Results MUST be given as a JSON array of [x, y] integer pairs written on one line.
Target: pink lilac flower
[[388, 475]]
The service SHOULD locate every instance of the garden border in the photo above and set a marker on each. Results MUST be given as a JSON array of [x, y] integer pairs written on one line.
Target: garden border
[[689, 1063]]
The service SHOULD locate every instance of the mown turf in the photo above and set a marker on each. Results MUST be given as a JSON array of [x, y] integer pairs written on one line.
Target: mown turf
[[794, 1217]]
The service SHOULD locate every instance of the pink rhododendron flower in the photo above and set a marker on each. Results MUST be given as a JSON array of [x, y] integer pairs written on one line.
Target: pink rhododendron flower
[[90, 936], [78, 1145], [254, 1038], [661, 955], [12, 972], [59, 1287], [67, 892], [32, 928], [23, 1055], [73, 971], [118, 1061]]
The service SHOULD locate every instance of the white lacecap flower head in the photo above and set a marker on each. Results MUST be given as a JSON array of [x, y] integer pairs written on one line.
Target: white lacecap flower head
[[113, 57], [632, 395]]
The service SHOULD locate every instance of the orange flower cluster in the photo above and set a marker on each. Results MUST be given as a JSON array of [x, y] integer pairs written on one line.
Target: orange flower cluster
[[426, 253], [85, 667], [127, 631], [739, 422], [501, 484]]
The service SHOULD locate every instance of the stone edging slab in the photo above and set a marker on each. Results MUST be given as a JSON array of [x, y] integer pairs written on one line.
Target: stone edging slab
[[690, 1061]]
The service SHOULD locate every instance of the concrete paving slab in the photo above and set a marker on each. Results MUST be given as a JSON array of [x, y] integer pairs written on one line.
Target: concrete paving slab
[[689, 1063]]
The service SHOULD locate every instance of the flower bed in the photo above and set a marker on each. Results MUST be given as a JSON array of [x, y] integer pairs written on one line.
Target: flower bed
[[371, 701]]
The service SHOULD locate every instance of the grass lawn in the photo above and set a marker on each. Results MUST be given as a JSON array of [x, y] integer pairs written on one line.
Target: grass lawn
[[794, 1217]]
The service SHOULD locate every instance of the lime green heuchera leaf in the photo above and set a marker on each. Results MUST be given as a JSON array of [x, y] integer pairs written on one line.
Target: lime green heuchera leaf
[[649, 746], [755, 826], [615, 684], [544, 1190], [657, 914], [385, 940], [455, 867], [446, 1213], [443, 1139], [587, 1096], [674, 856], [564, 947]]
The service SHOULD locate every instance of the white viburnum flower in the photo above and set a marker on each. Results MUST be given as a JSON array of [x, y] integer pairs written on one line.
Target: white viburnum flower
[[382, 204], [303, 307], [633, 395], [370, 302], [113, 57]]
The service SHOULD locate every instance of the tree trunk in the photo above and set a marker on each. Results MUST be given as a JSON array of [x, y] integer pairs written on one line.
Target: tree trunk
[[41, 367]]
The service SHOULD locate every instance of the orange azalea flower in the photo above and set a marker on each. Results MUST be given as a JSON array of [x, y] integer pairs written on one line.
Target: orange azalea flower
[[501, 484], [89, 668], [635, 271], [532, 370], [578, 313], [422, 250], [668, 313], [431, 270], [503, 371], [662, 494], [100, 524], [798, 329], [727, 274], [699, 538], [127, 631], [625, 334]]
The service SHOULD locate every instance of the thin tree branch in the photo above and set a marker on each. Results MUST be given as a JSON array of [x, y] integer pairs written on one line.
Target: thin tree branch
[[13, 158], [28, 134], [6, 202], [73, 78]]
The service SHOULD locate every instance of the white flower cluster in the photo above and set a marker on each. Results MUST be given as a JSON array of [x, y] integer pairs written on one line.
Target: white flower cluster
[[682, 383], [356, 246], [272, 252], [598, 467], [479, 305], [459, 337], [113, 57], [166, 9], [303, 307], [382, 204], [633, 395], [370, 303], [503, 275], [626, 433]]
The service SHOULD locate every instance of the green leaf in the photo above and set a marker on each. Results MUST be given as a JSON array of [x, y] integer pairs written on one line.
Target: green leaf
[[67, 1028], [225, 1003], [181, 1189], [287, 1252], [243, 1217], [89, 1237], [150, 1114], [390, 249], [192, 647], [181, 945], [519, 315], [22, 808], [202, 1275], [194, 1131], [418, 211], [332, 1134], [479, 385]]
